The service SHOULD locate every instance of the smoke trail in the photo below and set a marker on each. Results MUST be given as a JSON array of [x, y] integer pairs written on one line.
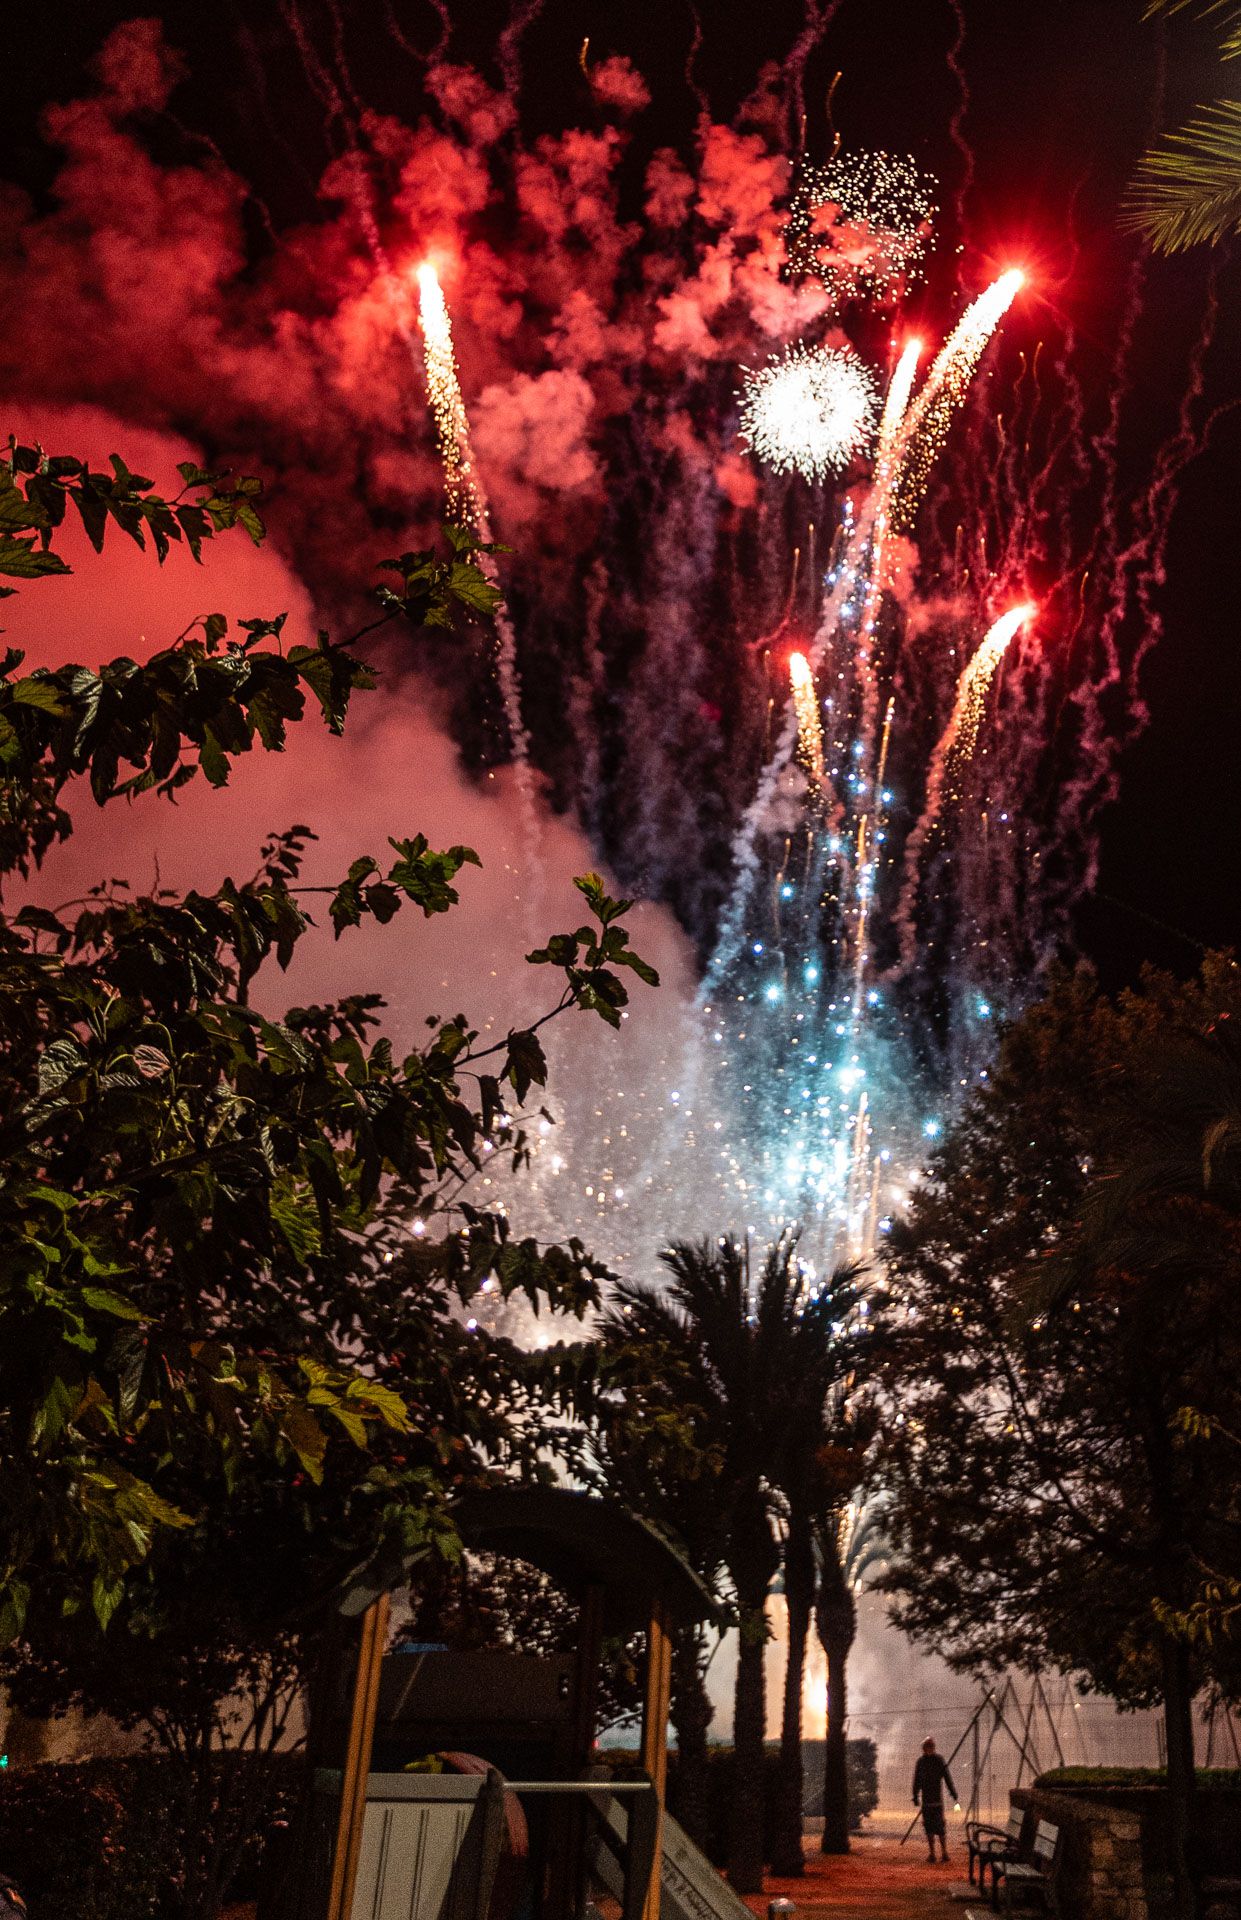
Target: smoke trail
[[818, 17], [522, 15], [405, 43], [956, 126], [692, 81]]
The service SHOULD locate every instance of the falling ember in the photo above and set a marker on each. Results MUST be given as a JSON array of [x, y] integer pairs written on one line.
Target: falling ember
[[809, 725], [927, 419], [961, 735], [461, 497], [956, 745], [810, 410]]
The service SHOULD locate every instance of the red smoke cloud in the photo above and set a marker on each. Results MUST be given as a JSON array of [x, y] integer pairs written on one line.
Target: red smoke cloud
[[394, 772], [295, 365]]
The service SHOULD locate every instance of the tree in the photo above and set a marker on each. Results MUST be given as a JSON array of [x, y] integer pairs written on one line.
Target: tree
[[719, 1352], [819, 1464], [231, 1374], [1187, 190], [849, 1540], [1066, 1340]]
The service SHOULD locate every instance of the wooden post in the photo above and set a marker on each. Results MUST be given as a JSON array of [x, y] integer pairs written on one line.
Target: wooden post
[[566, 1822], [371, 1646], [586, 1677], [656, 1701]]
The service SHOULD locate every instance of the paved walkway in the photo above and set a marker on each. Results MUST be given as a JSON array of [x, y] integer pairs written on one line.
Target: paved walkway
[[878, 1880]]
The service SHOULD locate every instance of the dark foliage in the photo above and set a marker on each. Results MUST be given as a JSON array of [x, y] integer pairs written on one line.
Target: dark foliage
[[101, 1839], [233, 1376], [1066, 1357]]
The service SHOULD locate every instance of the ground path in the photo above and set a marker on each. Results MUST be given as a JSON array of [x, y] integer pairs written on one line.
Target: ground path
[[877, 1880]]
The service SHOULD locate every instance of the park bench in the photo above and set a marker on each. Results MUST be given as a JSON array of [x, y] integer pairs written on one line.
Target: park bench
[[986, 1843], [1033, 1880]]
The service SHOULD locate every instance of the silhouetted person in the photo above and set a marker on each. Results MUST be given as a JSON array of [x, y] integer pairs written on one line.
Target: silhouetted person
[[931, 1776]]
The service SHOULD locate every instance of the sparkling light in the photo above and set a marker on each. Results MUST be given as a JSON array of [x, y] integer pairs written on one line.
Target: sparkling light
[[461, 496], [466, 506], [927, 420], [952, 753], [810, 410], [961, 734], [861, 223], [809, 725]]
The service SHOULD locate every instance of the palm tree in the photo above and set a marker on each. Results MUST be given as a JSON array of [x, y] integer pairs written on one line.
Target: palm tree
[[821, 1461], [848, 1541], [1187, 190], [721, 1353]]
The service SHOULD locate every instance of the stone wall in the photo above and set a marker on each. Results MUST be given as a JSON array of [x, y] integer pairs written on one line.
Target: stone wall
[[1100, 1874]]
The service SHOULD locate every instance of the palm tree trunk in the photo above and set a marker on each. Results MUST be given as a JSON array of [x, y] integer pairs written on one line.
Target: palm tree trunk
[[691, 1716], [1179, 1729], [837, 1622], [787, 1857], [745, 1833]]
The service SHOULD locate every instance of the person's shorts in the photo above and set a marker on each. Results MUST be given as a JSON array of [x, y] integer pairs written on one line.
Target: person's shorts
[[933, 1821]]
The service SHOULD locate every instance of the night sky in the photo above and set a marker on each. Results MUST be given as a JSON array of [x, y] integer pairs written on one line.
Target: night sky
[[1060, 99]]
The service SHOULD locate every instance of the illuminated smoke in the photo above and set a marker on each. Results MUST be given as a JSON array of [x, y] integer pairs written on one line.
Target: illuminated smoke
[[810, 410], [646, 556]]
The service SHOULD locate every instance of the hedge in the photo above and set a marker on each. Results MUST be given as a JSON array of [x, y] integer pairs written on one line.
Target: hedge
[[100, 1839], [1210, 1779]]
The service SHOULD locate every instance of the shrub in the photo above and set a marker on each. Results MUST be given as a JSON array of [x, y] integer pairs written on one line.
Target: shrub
[[1214, 1779], [99, 1839]]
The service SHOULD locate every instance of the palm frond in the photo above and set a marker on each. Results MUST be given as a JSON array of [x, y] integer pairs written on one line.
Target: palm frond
[[1187, 190], [1225, 11]]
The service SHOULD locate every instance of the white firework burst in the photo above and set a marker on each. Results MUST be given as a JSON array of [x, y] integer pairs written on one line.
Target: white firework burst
[[810, 410], [861, 223]]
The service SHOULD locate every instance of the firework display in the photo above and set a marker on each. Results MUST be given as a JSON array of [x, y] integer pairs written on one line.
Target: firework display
[[861, 223], [952, 751], [925, 426], [811, 411], [465, 505], [809, 723], [744, 672], [805, 1089], [461, 499]]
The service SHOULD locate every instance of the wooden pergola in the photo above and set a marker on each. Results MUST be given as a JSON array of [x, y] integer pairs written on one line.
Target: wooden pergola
[[624, 1575]]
